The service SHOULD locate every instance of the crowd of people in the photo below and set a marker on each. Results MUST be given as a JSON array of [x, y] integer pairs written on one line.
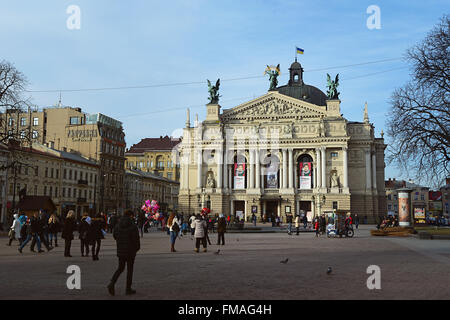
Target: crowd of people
[[42, 228]]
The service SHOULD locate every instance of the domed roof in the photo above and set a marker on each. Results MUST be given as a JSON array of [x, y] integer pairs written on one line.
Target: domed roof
[[295, 65], [297, 89], [304, 92]]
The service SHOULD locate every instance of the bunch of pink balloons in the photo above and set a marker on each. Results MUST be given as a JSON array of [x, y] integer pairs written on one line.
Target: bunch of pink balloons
[[151, 207]]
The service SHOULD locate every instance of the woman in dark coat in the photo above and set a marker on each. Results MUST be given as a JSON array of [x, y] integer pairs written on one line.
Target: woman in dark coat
[[126, 235], [221, 228], [83, 231], [67, 233], [95, 236]]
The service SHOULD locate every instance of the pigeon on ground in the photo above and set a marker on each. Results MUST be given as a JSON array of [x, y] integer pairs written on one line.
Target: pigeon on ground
[[284, 261], [237, 239], [217, 252], [329, 270]]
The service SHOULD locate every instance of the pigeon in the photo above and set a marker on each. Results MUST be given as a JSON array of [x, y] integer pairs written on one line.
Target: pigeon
[[237, 239], [329, 270], [217, 252], [284, 261]]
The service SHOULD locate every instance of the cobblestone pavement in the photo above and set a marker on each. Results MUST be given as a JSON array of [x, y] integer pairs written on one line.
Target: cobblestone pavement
[[247, 267]]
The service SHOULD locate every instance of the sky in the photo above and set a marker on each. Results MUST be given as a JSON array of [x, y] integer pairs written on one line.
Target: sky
[[154, 43]]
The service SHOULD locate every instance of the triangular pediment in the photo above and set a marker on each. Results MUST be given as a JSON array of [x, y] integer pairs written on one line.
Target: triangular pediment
[[274, 105]]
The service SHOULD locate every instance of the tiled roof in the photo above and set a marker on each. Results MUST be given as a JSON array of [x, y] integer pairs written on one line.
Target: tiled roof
[[150, 144]]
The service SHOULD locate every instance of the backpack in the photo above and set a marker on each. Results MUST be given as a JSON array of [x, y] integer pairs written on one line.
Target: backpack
[[175, 227]]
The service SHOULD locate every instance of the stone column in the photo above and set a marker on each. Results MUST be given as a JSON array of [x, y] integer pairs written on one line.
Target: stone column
[[374, 170], [252, 173], [318, 183], [231, 207], [345, 169], [285, 171], [291, 168], [295, 177], [323, 165], [225, 171], [245, 210], [219, 168], [199, 168], [230, 175], [368, 171], [258, 170]]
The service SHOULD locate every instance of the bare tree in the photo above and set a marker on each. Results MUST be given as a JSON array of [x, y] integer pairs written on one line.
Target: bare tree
[[12, 104], [419, 119]]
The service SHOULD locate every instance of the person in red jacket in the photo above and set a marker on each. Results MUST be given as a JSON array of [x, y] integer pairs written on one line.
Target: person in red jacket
[[317, 226]]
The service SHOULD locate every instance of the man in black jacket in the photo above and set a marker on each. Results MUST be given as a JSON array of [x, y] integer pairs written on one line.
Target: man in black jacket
[[126, 235]]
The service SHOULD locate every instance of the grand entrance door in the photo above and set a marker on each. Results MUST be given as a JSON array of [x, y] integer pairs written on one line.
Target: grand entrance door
[[305, 208], [271, 208], [239, 207]]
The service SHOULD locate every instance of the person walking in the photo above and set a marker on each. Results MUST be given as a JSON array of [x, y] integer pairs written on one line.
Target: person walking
[[29, 235], [356, 220], [305, 221], [254, 219], [289, 219], [174, 227], [128, 242], [32, 234], [192, 224], [297, 223], [14, 231], [323, 225], [200, 233], [83, 231], [317, 225], [24, 222], [140, 222], [43, 220], [41, 230], [221, 229], [53, 229], [67, 232], [95, 236]]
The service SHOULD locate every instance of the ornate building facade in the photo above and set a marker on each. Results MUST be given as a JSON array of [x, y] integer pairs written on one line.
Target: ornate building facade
[[288, 151]]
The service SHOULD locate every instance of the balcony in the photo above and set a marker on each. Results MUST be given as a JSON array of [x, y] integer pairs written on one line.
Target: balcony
[[83, 182], [81, 200]]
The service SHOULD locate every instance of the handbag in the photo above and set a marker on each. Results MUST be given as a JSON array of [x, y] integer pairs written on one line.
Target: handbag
[[11, 233]]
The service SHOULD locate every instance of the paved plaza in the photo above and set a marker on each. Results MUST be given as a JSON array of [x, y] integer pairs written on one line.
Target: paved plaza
[[247, 267]]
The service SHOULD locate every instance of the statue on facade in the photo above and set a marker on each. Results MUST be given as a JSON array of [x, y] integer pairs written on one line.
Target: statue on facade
[[332, 92], [210, 182], [321, 128], [213, 92], [334, 179], [273, 73]]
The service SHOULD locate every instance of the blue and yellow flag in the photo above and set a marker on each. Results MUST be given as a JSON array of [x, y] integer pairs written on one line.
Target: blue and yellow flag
[[300, 51]]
